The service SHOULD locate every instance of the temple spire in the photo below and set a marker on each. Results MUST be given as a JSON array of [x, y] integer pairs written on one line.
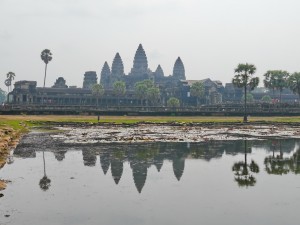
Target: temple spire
[[139, 173], [105, 74], [117, 69], [178, 167], [178, 70], [159, 72], [116, 166], [140, 62], [105, 161]]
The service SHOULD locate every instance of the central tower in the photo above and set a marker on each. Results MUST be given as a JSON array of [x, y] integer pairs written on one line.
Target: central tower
[[140, 62], [178, 70]]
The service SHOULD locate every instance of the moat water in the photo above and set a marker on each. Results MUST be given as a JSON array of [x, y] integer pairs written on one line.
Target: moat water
[[219, 182]]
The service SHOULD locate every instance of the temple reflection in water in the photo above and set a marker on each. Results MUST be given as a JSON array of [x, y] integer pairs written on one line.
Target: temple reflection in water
[[141, 156]]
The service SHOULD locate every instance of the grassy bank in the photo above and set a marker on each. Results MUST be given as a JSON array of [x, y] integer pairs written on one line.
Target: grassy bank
[[22, 122], [10, 133]]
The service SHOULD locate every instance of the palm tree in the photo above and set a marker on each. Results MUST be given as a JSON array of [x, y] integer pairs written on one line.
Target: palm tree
[[276, 80], [244, 79], [142, 88], [294, 83], [46, 56], [10, 76], [269, 81], [98, 91], [153, 95], [119, 88], [7, 83], [197, 90]]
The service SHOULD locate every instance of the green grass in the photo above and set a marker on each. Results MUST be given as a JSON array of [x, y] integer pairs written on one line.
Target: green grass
[[25, 122], [15, 124]]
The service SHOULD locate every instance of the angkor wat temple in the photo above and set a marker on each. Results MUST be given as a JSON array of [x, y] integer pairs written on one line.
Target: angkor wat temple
[[140, 72], [174, 85]]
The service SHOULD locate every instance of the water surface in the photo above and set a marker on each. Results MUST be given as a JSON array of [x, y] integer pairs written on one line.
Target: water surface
[[219, 182]]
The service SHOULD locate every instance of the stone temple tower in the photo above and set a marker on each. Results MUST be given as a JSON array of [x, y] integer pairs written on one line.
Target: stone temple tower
[[117, 68], [140, 62], [105, 75], [178, 70], [90, 78], [159, 72]]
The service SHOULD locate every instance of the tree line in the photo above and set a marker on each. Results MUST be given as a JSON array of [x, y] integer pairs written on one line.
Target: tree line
[[273, 80]]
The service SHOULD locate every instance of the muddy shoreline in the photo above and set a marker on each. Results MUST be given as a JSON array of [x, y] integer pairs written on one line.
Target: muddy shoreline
[[72, 133], [82, 133], [171, 123], [9, 139]]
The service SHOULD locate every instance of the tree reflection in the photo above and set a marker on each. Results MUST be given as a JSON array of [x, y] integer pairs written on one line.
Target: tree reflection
[[295, 162], [244, 172], [279, 165], [276, 164], [45, 182]]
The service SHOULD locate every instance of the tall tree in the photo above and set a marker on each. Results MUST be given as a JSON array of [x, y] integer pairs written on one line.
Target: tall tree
[[173, 102], [10, 76], [119, 88], [294, 83], [98, 91], [276, 80], [140, 91], [197, 90], [7, 83], [153, 95], [142, 88], [244, 79], [46, 56]]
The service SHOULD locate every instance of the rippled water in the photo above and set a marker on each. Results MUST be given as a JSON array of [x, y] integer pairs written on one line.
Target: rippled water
[[220, 182]]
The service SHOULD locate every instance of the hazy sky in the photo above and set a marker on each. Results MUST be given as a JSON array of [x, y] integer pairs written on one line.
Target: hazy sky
[[210, 36]]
